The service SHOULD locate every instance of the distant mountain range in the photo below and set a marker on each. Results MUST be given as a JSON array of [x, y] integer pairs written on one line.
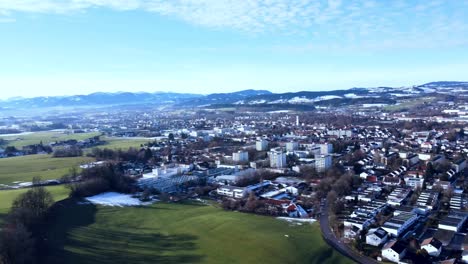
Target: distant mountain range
[[245, 97]]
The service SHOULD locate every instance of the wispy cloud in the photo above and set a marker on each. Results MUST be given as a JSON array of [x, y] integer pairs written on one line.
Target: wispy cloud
[[353, 21]]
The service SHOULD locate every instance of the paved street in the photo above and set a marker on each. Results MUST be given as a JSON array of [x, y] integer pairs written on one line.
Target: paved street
[[341, 247]]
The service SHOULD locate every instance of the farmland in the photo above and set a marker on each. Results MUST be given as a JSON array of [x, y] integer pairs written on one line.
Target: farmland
[[46, 137], [24, 168]]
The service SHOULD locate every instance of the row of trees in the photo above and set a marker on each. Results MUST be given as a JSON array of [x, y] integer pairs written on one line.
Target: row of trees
[[132, 154], [21, 235], [252, 205], [72, 151]]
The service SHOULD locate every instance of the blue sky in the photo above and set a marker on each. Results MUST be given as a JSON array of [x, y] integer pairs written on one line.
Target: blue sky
[[58, 47]]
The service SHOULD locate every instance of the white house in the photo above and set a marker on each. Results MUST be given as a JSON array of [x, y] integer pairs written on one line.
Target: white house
[[376, 237], [465, 257], [394, 251], [231, 191], [432, 246], [459, 165], [414, 182]]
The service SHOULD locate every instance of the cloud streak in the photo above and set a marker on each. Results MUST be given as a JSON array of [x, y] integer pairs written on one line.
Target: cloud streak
[[352, 21]]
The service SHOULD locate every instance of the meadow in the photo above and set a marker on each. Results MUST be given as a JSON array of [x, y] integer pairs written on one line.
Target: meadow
[[408, 104], [123, 143], [8, 196], [180, 233], [24, 168], [46, 137]]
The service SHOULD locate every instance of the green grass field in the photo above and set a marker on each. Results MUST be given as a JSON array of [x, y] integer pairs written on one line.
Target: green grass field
[[24, 168], [408, 104], [180, 233], [123, 143], [7, 197], [46, 137]]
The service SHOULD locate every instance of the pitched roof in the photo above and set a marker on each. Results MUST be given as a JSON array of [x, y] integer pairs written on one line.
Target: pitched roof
[[432, 241]]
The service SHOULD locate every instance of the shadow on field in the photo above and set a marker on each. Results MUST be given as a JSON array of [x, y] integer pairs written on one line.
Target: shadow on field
[[104, 247], [325, 256], [101, 244], [64, 216], [2, 219]]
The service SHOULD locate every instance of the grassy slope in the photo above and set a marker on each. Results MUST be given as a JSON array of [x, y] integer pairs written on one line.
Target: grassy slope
[[24, 168], [181, 233], [7, 197], [46, 137]]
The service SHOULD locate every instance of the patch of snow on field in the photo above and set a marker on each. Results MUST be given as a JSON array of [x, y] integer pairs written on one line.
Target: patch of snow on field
[[327, 97], [279, 101], [279, 111], [374, 105], [261, 101], [398, 95], [353, 95], [298, 100], [115, 199], [297, 220]]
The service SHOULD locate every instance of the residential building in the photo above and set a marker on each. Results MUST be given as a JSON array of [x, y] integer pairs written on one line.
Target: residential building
[[323, 162], [394, 251], [326, 148], [277, 158], [432, 246], [453, 222], [240, 156], [261, 145], [457, 202], [459, 165], [398, 196], [292, 146], [414, 182], [376, 237], [398, 224], [231, 191], [428, 199]]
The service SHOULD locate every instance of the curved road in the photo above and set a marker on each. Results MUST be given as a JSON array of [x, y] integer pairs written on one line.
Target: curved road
[[337, 244]]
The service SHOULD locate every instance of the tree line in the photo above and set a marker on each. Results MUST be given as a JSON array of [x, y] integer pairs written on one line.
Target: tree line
[[99, 179], [22, 235], [132, 154]]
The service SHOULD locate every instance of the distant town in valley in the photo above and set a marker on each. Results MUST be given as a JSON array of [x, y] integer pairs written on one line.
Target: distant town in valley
[[354, 175], [233, 131]]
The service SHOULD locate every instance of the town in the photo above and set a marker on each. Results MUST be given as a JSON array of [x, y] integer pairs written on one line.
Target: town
[[233, 131], [383, 185]]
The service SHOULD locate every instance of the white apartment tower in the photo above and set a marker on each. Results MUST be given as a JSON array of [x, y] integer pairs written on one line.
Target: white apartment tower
[[292, 146], [323, 162], [326, 148], [240, 156], [277, 158], [261, 145]]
